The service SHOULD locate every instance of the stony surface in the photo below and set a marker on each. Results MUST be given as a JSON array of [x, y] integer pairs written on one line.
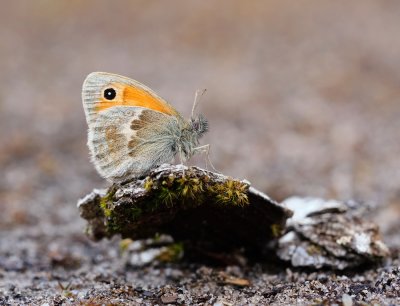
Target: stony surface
[[329, 234], [302, 99]]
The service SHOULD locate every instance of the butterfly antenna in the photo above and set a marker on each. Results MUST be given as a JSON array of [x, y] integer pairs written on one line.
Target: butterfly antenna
[[199, 93]]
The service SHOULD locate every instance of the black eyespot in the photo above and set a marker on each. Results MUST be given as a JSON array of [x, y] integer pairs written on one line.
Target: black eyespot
[[110, 93]]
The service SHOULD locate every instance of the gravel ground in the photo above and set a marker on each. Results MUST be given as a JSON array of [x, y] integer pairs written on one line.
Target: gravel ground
[[303, 99]]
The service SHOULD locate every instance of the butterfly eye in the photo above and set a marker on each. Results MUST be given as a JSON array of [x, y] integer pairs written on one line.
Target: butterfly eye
[[110, 93]]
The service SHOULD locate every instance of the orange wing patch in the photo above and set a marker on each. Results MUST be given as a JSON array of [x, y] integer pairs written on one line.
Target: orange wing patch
[[126, 95]]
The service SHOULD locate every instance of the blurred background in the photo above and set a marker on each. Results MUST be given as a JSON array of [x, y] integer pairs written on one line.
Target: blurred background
[[303, 98]]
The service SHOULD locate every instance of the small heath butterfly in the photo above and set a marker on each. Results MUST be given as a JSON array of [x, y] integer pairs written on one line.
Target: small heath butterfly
[[132, 129]]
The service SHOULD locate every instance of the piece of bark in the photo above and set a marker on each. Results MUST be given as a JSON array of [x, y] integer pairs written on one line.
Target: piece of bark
[[207, 211], [329, 234]]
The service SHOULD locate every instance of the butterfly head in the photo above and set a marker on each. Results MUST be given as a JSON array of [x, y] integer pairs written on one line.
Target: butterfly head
[[199, 125], [190, 134]]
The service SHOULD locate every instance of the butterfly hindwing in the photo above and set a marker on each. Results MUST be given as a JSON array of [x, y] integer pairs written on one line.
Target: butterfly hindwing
[[131, 139]]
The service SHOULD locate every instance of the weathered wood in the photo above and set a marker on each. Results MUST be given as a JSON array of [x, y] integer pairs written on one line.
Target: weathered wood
[[213, 215], [330, 234], [206, 211]]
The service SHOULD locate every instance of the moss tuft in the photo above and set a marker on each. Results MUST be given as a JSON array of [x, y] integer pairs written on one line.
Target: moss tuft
[[107, 201], [314, 249], [276, 230], [171, 253], [189, 188], [192, 191], [148, 184], [174, 191], [124, 244], [166, 196], [231, 193]]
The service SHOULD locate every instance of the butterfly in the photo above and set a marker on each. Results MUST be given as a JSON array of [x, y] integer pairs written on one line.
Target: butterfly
[[132, 130]]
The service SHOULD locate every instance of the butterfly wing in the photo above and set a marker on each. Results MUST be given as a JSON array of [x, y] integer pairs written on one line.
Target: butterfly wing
[[131, 129], [129, 141], [102, 90]]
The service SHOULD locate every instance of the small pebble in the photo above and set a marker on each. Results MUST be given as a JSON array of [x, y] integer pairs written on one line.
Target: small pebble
[[347, 300]]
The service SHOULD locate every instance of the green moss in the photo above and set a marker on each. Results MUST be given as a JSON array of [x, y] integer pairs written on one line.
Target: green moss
[[169, 193], [192, 191], [148, 184], [157, 237], [106, 204], [113, 224], [189, 188], [314, 250], [231, 193], [107, 200], [167, 196], [176, 191], [124, 244], [136, 212], [276, 230], [171, 253], [68, 294]]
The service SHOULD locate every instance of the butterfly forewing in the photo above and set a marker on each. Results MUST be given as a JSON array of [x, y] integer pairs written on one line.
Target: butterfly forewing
[[103, 90]]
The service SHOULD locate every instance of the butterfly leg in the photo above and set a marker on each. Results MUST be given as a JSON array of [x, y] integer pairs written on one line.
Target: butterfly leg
[[205, 149], [181, 160]]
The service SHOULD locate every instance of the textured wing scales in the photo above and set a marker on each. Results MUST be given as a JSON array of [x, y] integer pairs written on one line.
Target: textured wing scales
[[129, 141], [125, 92]]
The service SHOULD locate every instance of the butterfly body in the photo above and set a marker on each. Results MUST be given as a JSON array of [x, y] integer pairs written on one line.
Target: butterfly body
[[131, 129]]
